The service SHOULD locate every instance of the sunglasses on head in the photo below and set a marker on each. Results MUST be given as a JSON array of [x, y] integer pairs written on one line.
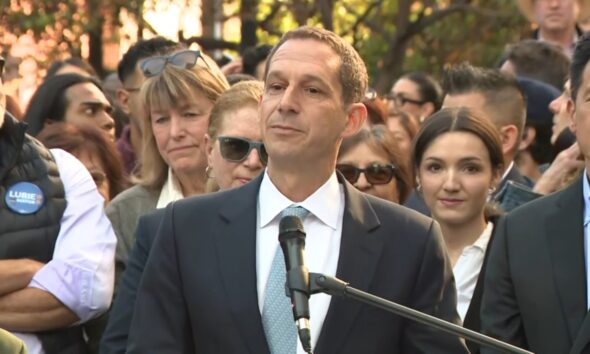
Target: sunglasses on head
[[375, 174], [186, 59], [237, 149]]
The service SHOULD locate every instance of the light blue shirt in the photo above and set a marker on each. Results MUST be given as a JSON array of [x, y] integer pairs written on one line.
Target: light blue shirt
[[586, 192]]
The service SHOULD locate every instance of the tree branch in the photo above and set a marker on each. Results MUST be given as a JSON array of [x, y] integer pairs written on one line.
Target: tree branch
[[209, 43], [361, 18], [370, 24]]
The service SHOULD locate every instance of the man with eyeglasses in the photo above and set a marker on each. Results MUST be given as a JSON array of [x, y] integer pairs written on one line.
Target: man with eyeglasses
[[214, 281], [56, 244], [129, 72]]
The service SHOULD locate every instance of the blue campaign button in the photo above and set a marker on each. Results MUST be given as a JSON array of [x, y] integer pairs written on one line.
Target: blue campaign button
[[24, 198]]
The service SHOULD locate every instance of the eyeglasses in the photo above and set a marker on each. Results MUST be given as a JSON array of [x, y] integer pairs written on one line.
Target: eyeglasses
[[237, 149], [400, 100], [375, 174], [186, 59]]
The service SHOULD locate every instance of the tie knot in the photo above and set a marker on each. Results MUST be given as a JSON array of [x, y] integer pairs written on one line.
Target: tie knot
[[296, 210]]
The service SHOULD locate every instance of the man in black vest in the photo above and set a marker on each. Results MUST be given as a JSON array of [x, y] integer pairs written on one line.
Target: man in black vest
[[56, 244]]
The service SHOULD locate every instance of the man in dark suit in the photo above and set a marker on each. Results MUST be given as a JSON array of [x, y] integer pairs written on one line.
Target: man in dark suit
[[536, 280], [209, 278]]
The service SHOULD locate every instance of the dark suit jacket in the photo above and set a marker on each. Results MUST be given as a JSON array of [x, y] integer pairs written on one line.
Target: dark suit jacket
[[114, 339], [198, 293], [535, 280]]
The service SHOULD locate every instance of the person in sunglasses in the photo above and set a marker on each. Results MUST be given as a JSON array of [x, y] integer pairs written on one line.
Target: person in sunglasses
[[234, 146], [178, 94], [214, 281], [458, 162], [371, 161], [236, 155]]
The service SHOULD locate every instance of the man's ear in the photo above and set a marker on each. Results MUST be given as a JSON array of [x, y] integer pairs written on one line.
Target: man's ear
[[208, 148], [571, 109], [427, 110], [509, 138], [356, 117], [123, 99], [527, 138]]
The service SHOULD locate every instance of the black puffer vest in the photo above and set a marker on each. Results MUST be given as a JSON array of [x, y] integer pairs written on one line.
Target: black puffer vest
[[33, 236]]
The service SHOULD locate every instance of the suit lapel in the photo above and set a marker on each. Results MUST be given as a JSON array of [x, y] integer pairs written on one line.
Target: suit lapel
[[236, 250], [359, 254], [565, 237]]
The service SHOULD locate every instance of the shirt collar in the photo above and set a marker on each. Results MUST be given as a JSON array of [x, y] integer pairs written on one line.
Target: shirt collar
[[507, 170], [324, 203], [586, 192], [170, 192], [484, 238]]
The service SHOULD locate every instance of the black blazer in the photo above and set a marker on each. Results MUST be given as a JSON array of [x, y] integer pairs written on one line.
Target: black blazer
[[114, 339], [198, 293], [535, 280]]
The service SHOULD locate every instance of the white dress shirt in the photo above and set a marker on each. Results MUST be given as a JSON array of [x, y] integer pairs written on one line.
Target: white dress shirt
[[322, 244], [466, 270], [170, 191], [82, 272]]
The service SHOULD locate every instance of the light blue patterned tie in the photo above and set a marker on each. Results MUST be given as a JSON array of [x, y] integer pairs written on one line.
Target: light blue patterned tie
[[277, 316]]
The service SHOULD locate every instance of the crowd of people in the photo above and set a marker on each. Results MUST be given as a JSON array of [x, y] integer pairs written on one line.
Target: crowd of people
[[139, 213]]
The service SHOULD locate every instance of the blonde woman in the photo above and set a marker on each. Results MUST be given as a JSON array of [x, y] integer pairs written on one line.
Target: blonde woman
[[178, 95]]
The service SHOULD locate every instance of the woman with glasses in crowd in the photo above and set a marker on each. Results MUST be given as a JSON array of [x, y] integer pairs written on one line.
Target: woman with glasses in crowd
[[458, 161], [178, 95], [371, 161], [93, 149], [235, 154], [416, 93]]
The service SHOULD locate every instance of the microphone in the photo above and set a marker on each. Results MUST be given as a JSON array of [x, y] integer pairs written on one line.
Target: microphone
[[292, 239]]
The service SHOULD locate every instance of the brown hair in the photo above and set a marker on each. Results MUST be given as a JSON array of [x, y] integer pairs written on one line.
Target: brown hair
[[353, 73], [408, 123], [78, 138], [450, 120], [242, 94], [381, 140], [162, 91]]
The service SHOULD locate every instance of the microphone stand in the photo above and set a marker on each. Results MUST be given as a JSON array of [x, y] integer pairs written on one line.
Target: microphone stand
[[320, 283]]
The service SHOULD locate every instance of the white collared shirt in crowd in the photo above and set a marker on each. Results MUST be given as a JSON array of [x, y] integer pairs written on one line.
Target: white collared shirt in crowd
[[467, 268], [82, 272]]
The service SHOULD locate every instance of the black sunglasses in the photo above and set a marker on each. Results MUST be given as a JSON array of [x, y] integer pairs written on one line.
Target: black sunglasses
[[400, 100], [186, 59], [375, 174], [237, 149]]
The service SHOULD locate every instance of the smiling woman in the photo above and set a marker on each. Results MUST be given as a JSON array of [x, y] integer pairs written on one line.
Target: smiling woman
[[458, 161]]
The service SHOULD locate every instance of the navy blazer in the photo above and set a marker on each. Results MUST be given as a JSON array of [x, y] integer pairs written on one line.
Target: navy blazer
[[198, 293], [535, 281]]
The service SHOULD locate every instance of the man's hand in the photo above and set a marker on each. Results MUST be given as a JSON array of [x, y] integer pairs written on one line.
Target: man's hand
[[565, 164], [16, 274]]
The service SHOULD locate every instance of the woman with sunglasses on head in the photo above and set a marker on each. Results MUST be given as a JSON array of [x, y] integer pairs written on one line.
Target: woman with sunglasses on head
[[458, 161], [178, 95], [236, 155], [371, 161], [233, 142]]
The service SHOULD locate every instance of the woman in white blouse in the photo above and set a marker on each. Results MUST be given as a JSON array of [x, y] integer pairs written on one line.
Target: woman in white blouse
[[458, 161]]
